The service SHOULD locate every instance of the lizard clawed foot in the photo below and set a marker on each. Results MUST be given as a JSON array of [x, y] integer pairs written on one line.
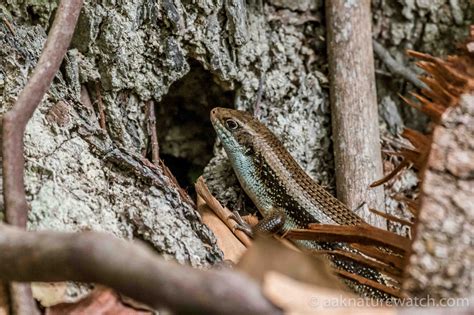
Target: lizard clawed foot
[[241, 224]]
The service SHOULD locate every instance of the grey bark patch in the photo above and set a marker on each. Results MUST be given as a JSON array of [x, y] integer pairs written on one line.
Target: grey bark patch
[[441, 263], [74, 181]]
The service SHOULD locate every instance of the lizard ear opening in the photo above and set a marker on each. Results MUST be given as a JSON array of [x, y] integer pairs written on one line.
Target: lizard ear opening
[[246, 141], [249, 151]]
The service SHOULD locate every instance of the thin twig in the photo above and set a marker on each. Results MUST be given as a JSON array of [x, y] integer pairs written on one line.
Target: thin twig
[[131, 269], [9, 25], [140, 166], [130, 161], [13, 129], [15, 120], [223, 213], [155, 149], [380, 266], [256, 107], [392, 217], [368, 282], [362, 234], [395, 67], [403, 164], [374, 252], [100, 106]]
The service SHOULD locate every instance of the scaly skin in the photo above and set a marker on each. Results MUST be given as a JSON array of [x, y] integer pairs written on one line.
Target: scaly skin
[[284, 194]]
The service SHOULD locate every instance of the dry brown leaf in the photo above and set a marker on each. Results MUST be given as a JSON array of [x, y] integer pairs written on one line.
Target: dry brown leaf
[[226, 240], [268, 254], [296, 297], [222, 212], [135, 304], [49, 294], [102, 301]]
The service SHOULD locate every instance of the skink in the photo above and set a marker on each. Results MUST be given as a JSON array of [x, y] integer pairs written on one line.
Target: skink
[[283, 193]]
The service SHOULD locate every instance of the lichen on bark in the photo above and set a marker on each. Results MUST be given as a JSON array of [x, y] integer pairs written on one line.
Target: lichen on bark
[[440, 265], [72, 184]]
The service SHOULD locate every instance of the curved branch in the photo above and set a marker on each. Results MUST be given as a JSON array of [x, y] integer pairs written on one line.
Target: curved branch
[[129, 268], [15, 120], [361, 234], [395, 67], [13, 127]]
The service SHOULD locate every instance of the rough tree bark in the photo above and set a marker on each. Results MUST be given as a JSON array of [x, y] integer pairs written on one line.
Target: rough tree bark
[[13, 128], [441, 264], [427, 26]]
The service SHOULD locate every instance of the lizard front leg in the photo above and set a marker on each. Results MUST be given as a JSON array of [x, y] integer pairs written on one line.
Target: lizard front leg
[[272, 223]]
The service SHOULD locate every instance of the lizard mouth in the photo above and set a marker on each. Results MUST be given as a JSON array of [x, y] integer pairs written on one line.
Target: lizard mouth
[[215, 114], [221, 131]]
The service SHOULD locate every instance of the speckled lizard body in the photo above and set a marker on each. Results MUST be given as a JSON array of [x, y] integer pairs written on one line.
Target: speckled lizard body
[[284, 194]]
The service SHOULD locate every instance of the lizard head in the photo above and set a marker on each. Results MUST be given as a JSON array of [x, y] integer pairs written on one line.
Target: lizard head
[[236, 129]]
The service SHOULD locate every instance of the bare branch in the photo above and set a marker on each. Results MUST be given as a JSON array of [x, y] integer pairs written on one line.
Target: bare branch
[[396, 67], [362, 234], [131, 269], [354, 106], [13, 127], [368, 282], [155, 148], [392, 218], [380, 255], [223, 213], [15, 120], [100, 107]]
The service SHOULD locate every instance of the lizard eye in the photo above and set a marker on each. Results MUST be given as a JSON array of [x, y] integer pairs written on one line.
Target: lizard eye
[[231, 124]]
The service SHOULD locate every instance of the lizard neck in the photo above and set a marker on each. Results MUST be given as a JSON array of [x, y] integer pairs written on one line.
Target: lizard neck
[[247, 168]]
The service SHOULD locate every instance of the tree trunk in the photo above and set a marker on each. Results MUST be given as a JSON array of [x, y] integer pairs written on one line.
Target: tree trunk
[[356, 135]]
